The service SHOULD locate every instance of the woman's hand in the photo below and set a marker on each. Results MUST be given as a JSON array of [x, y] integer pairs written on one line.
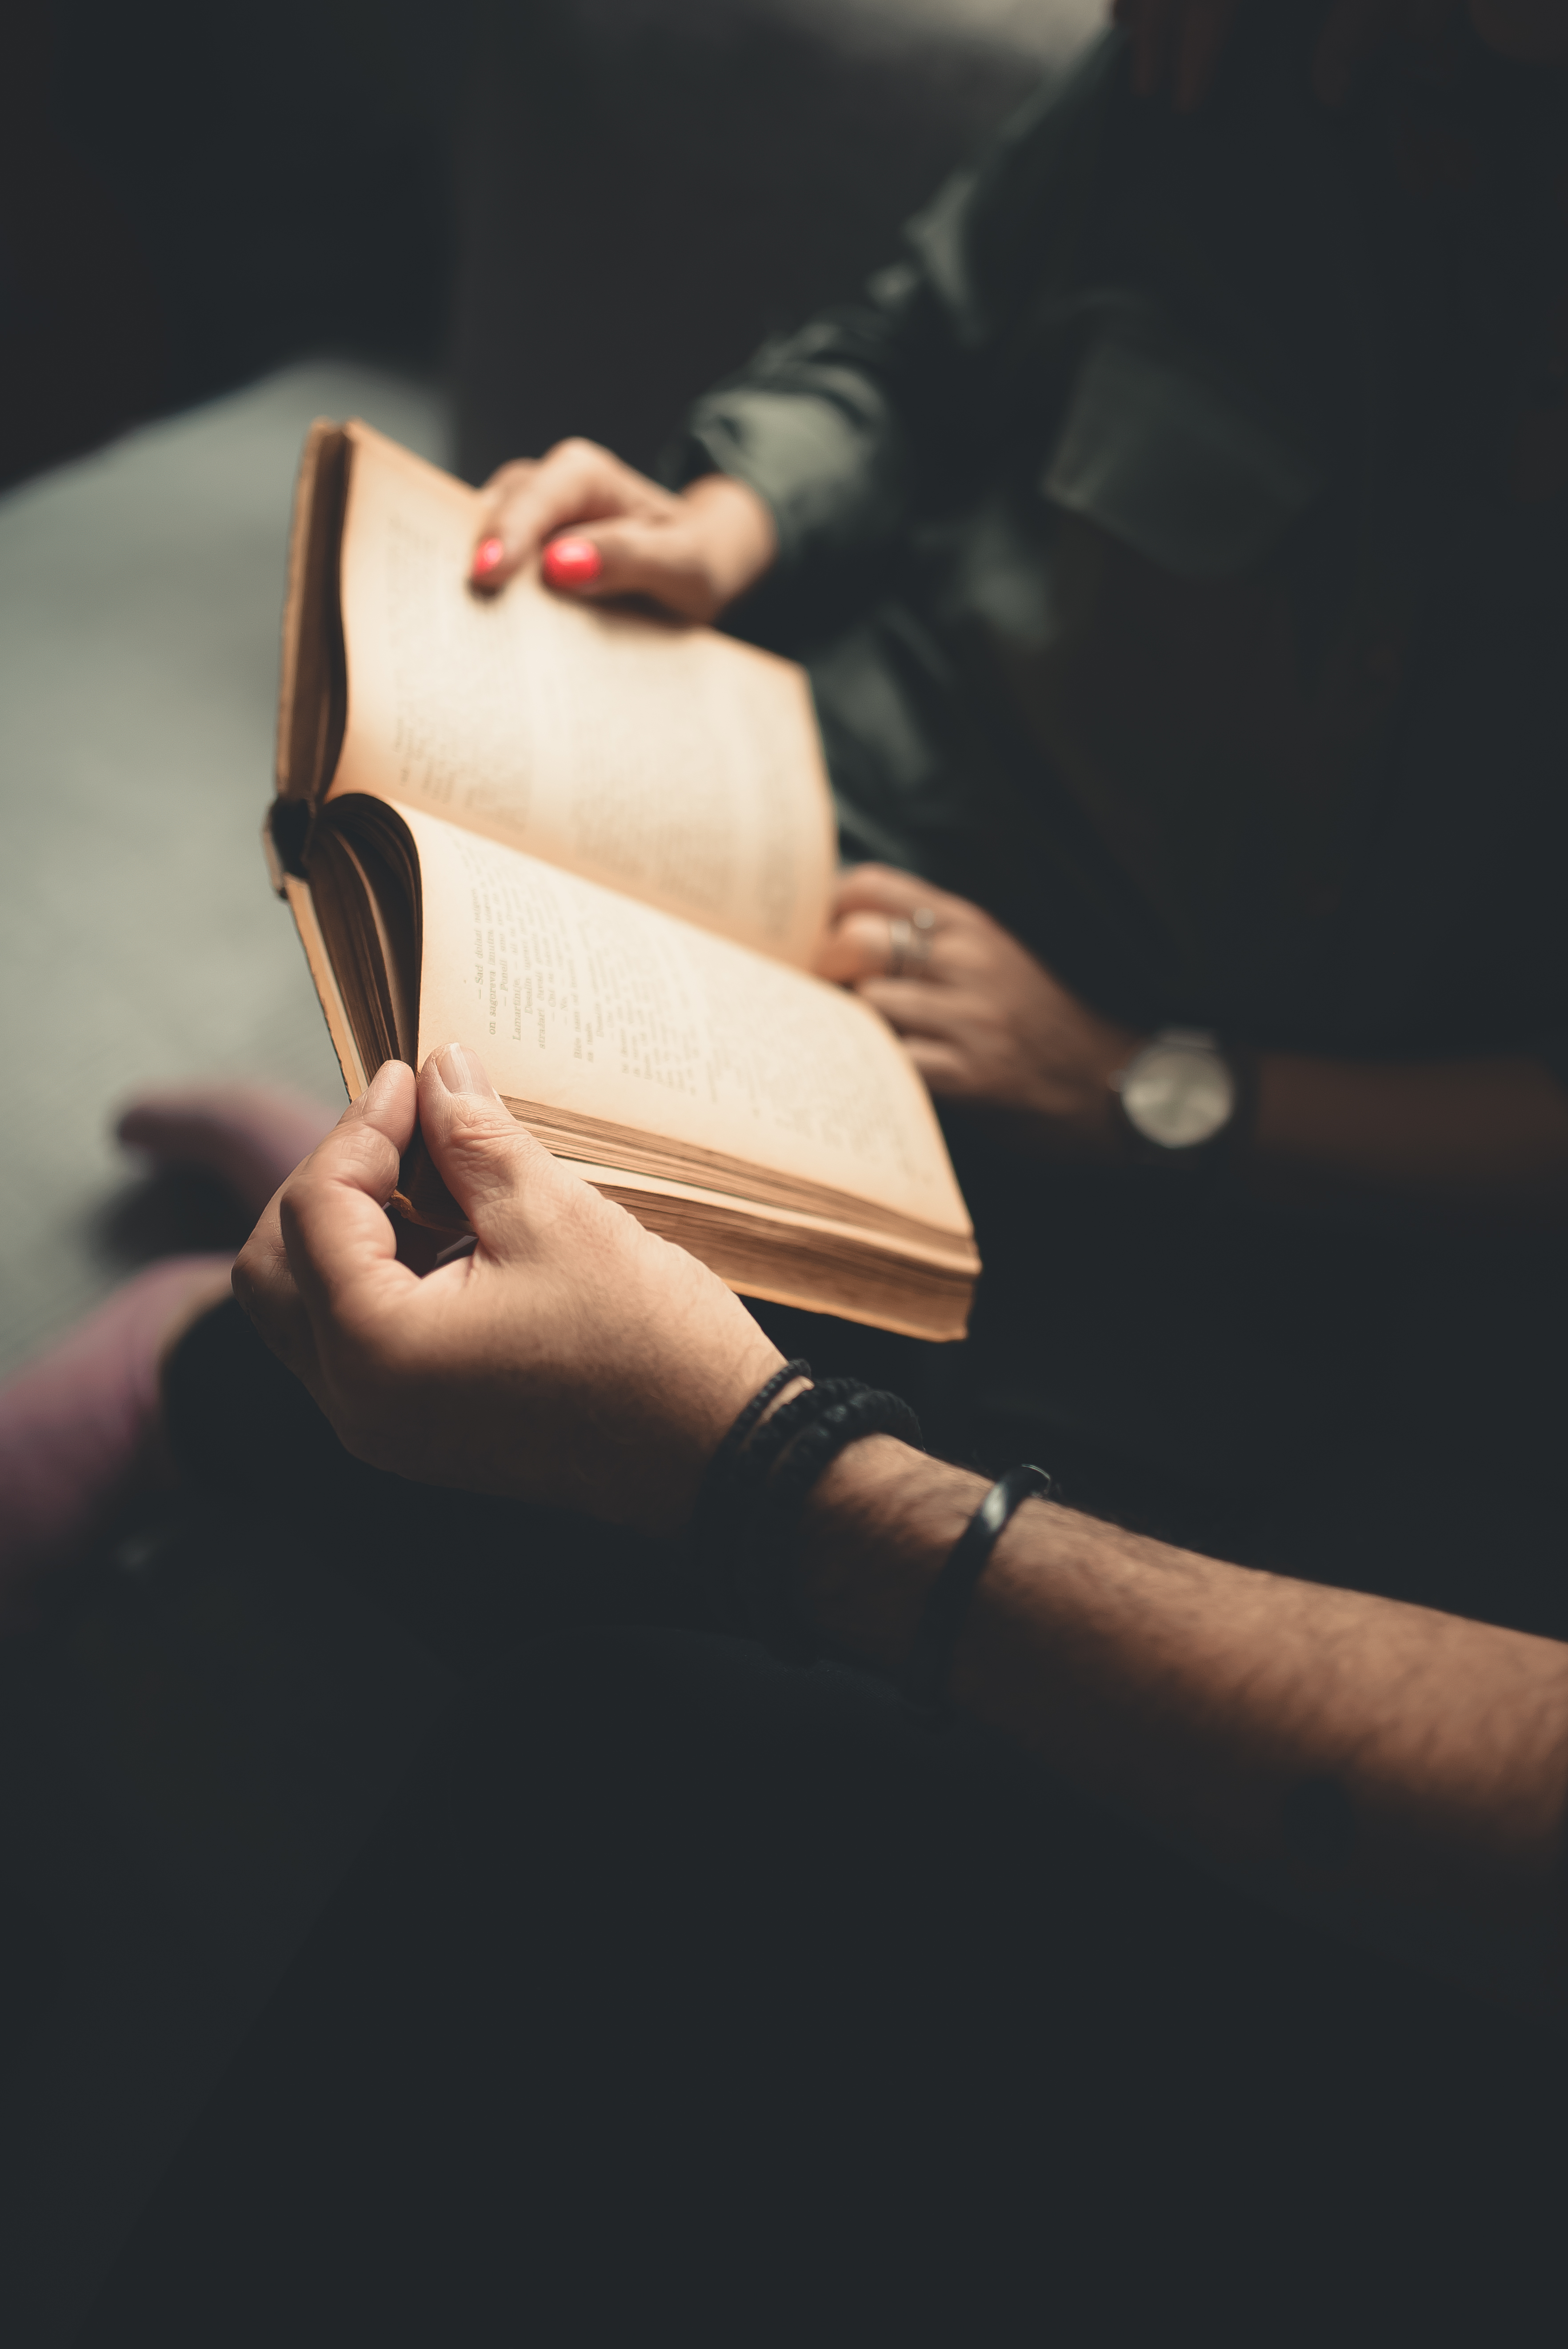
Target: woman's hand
[[984, 1023], [572, 1359], [607, 531]]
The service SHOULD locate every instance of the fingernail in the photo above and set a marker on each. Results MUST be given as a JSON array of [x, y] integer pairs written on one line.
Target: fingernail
[[489, 555], [573, 563], [462, 1072]]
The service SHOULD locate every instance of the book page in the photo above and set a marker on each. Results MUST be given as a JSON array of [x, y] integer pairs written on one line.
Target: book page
[[586, 1002], [655, 757]]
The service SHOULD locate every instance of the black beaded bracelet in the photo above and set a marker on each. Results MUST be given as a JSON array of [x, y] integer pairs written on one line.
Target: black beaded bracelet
[[747, 1518], [930, 1658], [728, 1501], [725, 1475], [762, 1582]]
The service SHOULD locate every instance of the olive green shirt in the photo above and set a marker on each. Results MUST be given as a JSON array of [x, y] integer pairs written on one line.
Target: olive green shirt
[[1149, 533]]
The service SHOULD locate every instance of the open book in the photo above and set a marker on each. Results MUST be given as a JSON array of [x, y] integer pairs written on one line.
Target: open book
[[596, 846]]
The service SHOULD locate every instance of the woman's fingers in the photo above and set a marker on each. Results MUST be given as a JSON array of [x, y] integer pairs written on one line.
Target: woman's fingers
[[892, 925], [884, 889], [601, 529], [694, 553], [660, 555], [866, 947], [930, 1019], [531, 501], [859, 947], [946, 1070], [917, 1006]]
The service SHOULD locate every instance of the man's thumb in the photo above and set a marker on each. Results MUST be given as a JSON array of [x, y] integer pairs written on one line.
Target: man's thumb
[[476, 1146]]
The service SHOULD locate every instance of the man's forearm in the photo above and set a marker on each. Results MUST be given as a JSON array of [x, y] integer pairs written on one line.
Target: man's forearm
[[1485, 1133], [1396, 1772]]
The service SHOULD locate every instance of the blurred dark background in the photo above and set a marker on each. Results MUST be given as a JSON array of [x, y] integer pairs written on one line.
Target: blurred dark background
[[192, 191], [576, 212]]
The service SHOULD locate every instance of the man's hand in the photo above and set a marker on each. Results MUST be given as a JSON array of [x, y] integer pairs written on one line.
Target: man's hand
[[984, 1023], [572, 1359], [607, 531], [1178, 44]]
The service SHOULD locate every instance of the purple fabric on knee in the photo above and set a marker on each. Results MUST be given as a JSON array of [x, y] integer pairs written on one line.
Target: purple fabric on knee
[[252, 1137], [79, 1426]]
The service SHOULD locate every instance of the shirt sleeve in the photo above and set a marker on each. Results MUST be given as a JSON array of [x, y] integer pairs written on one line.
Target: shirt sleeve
[[842, 427], [1552, 1051]]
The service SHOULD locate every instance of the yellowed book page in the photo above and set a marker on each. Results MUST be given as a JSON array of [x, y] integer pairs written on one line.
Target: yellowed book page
[[945, 1258], [585, 1002], [660, 759], [822, 1267]]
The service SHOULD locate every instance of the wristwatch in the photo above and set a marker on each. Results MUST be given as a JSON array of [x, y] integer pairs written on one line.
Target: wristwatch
[[1179, 1094]]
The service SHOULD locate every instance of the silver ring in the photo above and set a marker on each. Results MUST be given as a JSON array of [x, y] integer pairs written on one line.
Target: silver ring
[[908, 941]]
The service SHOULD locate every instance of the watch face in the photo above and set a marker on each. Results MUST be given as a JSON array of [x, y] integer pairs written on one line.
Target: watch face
[[1179, 1093]]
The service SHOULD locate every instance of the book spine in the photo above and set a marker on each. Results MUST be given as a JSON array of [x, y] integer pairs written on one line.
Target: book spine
[[302, 905]]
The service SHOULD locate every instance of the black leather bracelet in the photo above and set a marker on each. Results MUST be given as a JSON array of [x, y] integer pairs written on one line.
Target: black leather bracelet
[[929, 1662], [734, 1443]]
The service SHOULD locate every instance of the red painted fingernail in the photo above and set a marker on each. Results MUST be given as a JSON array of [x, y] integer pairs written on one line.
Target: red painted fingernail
[[573, 563], [489, 555]]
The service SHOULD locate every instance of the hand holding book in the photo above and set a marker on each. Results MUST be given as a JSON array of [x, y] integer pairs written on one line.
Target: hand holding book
[[694, 553], [985, 1023], [572, 1359]]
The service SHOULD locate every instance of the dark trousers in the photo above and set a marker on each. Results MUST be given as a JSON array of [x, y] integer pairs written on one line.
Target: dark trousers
[[684, 1996]]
